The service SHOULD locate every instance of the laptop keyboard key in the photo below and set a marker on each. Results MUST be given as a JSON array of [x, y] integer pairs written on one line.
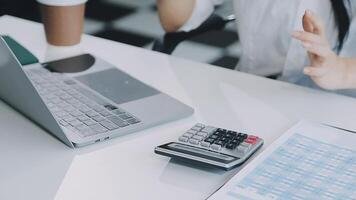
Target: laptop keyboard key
[[64, 123], [76, 113], [60, 114], [84, 108], [98, 128], [105, 113], [110, 107], [98, 118], [133, 121], [109, 125], [81, 127], [92, 113], [69, 108], [76, 123], [116, 120], [56, 100], [87, 132], [90, 122], [125, 116], [83, 118], [118, 112], [98, 108]]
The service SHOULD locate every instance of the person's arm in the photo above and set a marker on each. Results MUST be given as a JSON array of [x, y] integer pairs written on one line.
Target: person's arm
[[184, 15], [173, 14], [326, 69]]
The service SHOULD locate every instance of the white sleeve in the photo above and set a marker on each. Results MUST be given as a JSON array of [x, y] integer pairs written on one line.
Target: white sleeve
[[61, 2], [202, 10]]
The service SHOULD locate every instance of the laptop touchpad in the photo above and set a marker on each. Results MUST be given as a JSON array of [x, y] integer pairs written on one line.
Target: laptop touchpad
[[117, 86]]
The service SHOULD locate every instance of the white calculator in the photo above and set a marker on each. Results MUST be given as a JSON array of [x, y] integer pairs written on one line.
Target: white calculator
[[213, 146]]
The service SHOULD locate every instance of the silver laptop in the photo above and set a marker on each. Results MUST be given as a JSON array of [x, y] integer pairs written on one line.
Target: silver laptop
[[85, 107]]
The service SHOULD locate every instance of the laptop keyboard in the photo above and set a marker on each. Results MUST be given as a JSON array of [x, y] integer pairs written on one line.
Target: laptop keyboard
[[76, 107]]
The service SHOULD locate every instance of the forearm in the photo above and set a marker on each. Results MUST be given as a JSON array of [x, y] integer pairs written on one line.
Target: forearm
[[174, 14]]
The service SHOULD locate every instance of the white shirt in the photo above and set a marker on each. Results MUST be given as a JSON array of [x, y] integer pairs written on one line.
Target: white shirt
[[62, 2], [265, 27]]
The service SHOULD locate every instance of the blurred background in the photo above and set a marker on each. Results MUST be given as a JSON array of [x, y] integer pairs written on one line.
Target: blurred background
[[136, 22]]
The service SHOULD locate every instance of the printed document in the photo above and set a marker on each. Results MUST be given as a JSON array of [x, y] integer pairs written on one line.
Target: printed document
[[310, 161]]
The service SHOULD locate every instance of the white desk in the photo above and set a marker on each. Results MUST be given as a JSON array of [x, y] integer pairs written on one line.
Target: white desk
[[34, 165]]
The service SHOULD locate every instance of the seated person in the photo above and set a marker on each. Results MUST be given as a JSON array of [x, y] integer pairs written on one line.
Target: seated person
[[266, 29]]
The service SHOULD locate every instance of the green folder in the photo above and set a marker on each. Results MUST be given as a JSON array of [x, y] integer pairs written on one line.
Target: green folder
[[23, 55]]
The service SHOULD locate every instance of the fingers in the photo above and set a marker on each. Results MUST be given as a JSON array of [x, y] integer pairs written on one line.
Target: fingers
[[313, 43], [307, 25], [308, 37], [315, 71], [319, 50], [316, 22]]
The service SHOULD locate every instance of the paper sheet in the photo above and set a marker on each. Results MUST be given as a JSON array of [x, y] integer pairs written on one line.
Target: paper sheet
[[309, 161]]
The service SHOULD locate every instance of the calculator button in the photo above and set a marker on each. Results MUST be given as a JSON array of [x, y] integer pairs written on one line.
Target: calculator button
[[183, 139], [200, 125], [205, 144], [216, 133], [197, 137], [245, 144], [208, 129], [231, 146], [194, 141], [214, 137], [242, 149], [244, 136], [236, 141], [251, 140], [240, 139], [188, 135], [220, 130], [232, 132], [219, 142], [202, 134], [192, 132], [210, 140], [230, 135], [215, 147], [253, 137], [196, 128]]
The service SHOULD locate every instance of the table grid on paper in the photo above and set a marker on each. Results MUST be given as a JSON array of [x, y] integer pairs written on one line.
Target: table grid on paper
[[302, 168]]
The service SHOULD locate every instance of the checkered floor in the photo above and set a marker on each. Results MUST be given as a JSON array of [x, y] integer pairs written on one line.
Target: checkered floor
[[136, 22]]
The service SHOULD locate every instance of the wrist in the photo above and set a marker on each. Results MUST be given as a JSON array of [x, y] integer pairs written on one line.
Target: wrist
[[350, 73]]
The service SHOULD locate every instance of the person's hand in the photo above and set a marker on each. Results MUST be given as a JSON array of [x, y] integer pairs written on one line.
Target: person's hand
[[326, 69]]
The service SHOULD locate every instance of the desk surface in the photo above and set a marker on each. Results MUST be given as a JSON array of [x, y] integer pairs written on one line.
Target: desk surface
[[34, 165]]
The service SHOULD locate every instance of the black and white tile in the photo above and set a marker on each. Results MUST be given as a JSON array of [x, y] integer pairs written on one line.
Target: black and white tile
[[136, 22]]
